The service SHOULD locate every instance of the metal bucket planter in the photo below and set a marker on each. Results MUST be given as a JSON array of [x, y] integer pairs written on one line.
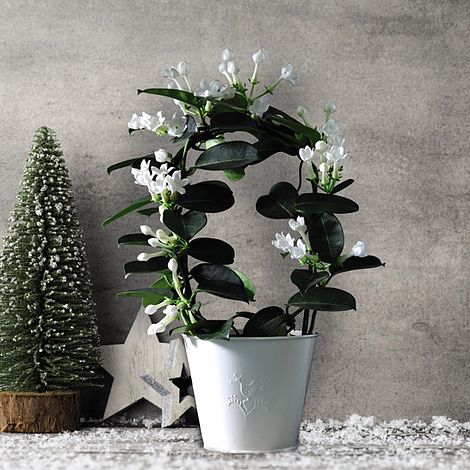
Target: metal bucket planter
[[250, 392]]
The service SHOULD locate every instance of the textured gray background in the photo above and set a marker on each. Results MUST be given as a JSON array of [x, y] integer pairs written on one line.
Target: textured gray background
[[399, 73]]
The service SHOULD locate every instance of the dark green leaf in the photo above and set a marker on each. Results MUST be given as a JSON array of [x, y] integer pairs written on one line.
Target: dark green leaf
[[326, 237], [294, 125], [304, 279], [149, 293], [207, 329], [279, 203], [180, 95], [187, 225], [324, 298], [211, 250], [148, 212], [134, 206], [208, 196], [221, 281], [226, 156], [235, 122], [151, 266], [320, 203], [235, 174], [134, 239], [343, 185], [266, 322], [355, 262], [130, 162]]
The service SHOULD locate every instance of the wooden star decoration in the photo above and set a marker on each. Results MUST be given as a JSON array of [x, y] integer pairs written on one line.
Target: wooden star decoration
[[143, 368]]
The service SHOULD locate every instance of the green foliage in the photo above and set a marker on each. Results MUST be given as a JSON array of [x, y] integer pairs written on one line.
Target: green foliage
[[48, 333], [205, 141]]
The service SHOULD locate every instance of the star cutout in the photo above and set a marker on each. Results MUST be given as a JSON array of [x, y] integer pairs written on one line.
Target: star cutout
[[143, 367]]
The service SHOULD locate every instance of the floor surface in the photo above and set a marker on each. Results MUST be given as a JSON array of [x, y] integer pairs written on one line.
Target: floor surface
[[357, 443]]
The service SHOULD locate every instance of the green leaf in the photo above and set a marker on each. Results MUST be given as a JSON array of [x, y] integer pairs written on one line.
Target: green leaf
[[207, 329], [320, 203], [279, 203], [134, 206], [148, 293], [211, 250], [221, 281], [355, 262], [151, 266], [180, 95], [247, 282], [134, 239], [130, 162], [235, 174], [208, 196], [267, 322], [304, 279], [187, 225], [227, 156], [296, 126], [327, 299], [343, 185], [235, 122], [326, 237], [148, 212]]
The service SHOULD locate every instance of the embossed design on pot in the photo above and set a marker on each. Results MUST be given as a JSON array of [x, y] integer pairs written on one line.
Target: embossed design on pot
[[248, 400]]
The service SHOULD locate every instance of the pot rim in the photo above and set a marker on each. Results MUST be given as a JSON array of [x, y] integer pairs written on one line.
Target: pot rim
[[256, 338]]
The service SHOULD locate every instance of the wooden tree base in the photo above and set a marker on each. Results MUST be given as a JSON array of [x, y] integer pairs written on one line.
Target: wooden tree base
[[39, 412]]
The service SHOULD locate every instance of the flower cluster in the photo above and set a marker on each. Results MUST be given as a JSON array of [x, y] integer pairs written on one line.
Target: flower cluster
[[329, 151], [301, 249], [163, 182]]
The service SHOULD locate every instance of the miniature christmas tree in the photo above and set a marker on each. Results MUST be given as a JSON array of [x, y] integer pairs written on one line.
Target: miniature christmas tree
[[48, 333]]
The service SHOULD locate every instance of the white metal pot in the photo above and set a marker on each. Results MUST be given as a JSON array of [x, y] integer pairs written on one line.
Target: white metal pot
[[250, 392]]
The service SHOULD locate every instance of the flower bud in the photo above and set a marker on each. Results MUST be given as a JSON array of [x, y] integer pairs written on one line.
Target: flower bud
[[183, 68], [227, 55], [259, 57], [329, 108], [173, 265]]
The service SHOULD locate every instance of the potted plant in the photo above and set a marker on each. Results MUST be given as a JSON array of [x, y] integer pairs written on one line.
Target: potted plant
[[49, 344], [249, 382]]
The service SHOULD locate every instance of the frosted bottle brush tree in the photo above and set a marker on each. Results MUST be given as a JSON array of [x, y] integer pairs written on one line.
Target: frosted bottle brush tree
[[207, 115], [48, 334]]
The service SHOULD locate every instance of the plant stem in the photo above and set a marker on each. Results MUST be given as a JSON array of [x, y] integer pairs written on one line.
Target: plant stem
[[305, 322], [312, 323]]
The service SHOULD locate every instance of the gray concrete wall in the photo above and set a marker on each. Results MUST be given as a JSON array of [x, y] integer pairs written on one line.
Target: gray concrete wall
[[399, 73]]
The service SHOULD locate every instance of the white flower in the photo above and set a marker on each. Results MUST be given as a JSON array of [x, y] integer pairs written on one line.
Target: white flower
[[306, 154], [171, 314], [215, 90], [183, 68], [157, 185], [160, 239], [173, 265], [227, 55], [321, 146], [335, 155], [298, 225], [298, 251], [359, 249], [161, 156], [283, 242], [146, 230], [287, 73], [171, 73], [147, 121], [175, 183], [329, 108], [258, 57], [161, 211], [148, 256], [233, 69], [260, 106], [331, 127], [142, 176], [151, 309], [177, 125]]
